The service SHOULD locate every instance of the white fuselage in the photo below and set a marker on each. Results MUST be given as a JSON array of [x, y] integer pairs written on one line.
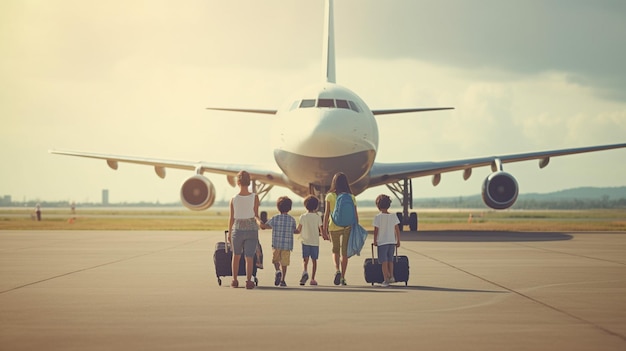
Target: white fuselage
[[322, 130]]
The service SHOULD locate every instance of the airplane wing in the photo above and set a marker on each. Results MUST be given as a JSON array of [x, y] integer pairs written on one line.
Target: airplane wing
[[406, 110], [385, 173], [260, 173], [247, 110], [374, 112]]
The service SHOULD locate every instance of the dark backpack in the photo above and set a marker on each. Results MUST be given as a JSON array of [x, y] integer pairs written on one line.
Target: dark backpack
[[343, 214]]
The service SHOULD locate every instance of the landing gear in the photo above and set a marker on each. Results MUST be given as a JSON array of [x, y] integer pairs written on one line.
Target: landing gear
[[261, 189], [320, 193], [404, 192], [413, 221]]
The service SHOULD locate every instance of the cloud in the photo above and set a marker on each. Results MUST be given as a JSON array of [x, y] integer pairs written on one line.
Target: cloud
[[580, 38]]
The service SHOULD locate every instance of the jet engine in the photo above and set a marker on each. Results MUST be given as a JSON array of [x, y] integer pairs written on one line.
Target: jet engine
[[197, 193], [500, 190]]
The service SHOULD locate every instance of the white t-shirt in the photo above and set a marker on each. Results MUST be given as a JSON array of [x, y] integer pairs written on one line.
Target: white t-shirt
[[243, 206], [310, 233], [386, 223]]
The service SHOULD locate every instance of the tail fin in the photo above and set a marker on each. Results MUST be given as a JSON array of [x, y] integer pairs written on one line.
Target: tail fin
[[329, 44]]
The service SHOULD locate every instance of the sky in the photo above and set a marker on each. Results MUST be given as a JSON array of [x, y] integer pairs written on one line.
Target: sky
[[134, 78]]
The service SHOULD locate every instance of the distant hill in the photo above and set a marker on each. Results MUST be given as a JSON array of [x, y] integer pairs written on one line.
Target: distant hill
[[576, 198], [583, 193]]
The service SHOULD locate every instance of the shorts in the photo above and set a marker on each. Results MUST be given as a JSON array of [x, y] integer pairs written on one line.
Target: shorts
[[386, 252], [310, 251], [281, 257], [342, 236], [245, 241]]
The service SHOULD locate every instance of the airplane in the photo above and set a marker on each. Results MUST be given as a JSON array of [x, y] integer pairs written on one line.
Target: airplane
[[326, 128]]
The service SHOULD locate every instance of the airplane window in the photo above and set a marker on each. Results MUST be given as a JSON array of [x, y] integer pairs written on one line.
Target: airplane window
[[354, 106], [325, 103], [343, 104], [307, 103]]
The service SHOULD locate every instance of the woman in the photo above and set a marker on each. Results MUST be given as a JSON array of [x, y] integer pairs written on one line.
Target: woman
[[243, 228], [338, 235]]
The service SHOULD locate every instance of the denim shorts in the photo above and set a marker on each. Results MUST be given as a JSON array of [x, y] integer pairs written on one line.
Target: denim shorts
[[386, 252], [310, 251], [245, 241]]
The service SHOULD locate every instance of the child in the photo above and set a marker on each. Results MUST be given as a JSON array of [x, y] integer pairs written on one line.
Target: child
[[386, 237], [283, 227], [309, 230]]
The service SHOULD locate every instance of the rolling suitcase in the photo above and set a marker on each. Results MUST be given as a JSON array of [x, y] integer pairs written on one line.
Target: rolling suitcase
[[222, 259], [374, 270]]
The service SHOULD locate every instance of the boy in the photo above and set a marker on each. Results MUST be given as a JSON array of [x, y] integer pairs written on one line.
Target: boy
[[309, 229], [386, 237], [283, 227]]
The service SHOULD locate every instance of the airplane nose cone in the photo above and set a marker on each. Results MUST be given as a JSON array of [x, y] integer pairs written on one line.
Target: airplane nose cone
[[319, 133]]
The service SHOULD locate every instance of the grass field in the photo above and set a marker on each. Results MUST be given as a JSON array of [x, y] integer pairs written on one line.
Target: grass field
[[217, 219]]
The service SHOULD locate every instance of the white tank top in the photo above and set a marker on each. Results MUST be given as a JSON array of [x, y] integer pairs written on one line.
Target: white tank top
[[243, 206]]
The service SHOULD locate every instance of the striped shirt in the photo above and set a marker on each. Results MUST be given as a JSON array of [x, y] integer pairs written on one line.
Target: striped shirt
[[283, 226]]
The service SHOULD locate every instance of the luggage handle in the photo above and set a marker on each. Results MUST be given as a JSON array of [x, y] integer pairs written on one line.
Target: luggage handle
[[226, 243], [395, 255]]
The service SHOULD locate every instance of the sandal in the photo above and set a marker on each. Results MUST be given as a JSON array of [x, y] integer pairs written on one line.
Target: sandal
[[249, 284], [234, 284]]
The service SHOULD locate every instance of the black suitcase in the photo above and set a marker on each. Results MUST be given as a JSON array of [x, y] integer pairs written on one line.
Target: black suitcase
[[223, 257], [374, 270]]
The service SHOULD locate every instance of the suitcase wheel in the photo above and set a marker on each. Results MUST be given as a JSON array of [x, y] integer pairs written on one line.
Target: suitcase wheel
[[219, 281]]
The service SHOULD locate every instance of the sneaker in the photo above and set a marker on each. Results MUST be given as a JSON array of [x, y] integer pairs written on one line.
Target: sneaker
[[337, 280], [278, 278], [250, 284], [305, 277], [283, 283], [343, 281], [234, 284], [385, 284], [392, 280], [313, 282]]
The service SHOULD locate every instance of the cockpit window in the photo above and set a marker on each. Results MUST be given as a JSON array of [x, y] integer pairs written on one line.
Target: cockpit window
[[328, 103], [342, 104], [354, 106], [307, 103], [325, 103]]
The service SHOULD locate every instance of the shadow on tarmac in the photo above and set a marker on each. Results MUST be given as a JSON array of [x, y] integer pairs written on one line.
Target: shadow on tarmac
[[398, 288], [471, 236]]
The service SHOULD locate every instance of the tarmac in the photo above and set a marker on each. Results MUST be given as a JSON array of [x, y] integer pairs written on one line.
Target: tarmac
[[157, 290]]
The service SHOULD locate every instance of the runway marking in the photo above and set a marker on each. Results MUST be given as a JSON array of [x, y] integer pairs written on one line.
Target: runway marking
[[547, 305], [101, 265]]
